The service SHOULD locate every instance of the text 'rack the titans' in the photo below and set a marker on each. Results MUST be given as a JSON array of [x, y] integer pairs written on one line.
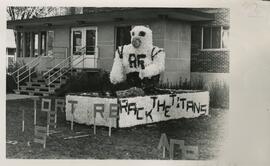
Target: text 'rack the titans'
[[139, 63]]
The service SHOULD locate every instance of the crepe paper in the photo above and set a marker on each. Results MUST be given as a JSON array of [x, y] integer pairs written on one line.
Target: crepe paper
[[60, 103], [191, 153], [78, 136], [173, 142], [163, 142], [12, 142], [40, 135], [51, 118], [46, 105], [114, 111], [98, 108]]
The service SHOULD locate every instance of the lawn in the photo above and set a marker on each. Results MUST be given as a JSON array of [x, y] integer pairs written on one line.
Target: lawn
[[140, 142]]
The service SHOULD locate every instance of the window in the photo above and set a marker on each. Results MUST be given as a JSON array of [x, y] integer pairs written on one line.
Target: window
[[20, 44], [215, 37], [34, 44], [11, 51], [77, 42], [123, 35], [43, 43], [90, 42], [50, 42], [27, 44]]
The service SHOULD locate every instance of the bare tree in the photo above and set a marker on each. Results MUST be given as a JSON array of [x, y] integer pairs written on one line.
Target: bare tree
[[21, 13]]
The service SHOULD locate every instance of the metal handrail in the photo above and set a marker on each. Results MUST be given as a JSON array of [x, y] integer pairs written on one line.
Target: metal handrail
[[28, 64], [50, 82], [63, 61], [63, 64], [58, 71], [82, 50]]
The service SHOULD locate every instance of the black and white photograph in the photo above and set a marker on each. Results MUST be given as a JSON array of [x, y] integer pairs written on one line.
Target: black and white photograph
[[136, 83]]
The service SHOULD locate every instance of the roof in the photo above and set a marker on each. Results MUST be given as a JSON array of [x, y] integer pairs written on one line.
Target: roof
[[116, 14]]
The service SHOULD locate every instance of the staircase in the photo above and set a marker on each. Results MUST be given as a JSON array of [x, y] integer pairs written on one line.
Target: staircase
[[48, 82], [38, 86]]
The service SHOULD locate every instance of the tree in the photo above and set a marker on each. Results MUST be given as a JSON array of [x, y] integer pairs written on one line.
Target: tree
[[21, 13]]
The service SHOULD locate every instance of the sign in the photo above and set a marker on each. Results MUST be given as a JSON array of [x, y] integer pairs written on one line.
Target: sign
[[138, 110]]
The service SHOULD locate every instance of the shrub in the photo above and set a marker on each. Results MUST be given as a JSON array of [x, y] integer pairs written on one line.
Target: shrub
[[10, 84], [219, 94], [86, 82], [218, 91]]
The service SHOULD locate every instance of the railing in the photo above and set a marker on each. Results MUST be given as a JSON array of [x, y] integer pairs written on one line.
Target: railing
[[65, 66], [29, 70]]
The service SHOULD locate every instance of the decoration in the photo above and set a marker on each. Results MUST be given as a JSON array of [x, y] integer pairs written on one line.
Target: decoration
[[138, 110], [139, 61]]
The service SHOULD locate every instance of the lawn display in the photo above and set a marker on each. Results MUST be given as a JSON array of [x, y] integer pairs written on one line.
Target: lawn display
[[138, 110], [140, 65]]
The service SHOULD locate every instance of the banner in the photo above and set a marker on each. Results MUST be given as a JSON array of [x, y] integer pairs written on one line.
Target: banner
[[138, 110]]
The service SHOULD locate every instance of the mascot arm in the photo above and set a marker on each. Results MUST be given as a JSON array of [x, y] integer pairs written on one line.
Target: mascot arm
[[117, 73], [156, 67]]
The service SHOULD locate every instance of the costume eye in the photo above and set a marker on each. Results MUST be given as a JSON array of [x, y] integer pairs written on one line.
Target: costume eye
[[142, 33], [132, 33]]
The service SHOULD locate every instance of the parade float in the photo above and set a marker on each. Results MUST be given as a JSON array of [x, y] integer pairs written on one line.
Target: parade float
[[140, 65]]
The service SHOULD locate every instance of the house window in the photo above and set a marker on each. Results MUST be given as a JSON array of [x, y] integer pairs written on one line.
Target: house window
[[43, 43], [27, 44], [11, 51], [34, 44], [215, 38], [122, 35], [20, 44], [50, 42]]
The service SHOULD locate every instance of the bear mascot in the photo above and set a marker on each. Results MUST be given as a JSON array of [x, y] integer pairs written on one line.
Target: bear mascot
[[139, 63]]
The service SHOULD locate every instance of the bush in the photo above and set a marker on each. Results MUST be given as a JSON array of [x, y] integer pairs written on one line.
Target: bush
[[219, 95], [185, 85], [218, 91], [10, 84], [86, 82]]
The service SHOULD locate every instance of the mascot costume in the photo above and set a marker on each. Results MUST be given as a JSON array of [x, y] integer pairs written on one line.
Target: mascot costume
[[139, 63]]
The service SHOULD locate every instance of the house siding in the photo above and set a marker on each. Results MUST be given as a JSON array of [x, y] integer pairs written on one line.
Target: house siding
[[177, 45]]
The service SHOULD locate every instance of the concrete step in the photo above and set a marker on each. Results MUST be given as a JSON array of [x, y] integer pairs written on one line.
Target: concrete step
[[43, 85], [32, 93], [25, 87]]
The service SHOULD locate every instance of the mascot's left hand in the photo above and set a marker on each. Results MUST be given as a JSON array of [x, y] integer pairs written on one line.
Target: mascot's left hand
[[141, 74]]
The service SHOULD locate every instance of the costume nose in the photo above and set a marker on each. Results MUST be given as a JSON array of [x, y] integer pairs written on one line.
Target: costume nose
[[136, 42]]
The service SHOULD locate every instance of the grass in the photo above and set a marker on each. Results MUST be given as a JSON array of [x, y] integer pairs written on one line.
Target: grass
[[138, 142]]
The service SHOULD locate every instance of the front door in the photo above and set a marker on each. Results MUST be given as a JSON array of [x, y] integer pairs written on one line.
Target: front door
[[84, 47]]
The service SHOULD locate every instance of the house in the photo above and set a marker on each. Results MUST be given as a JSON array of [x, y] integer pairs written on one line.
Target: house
[[193, 40]]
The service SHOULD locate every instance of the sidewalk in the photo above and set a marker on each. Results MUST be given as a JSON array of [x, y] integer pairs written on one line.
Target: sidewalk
[[16, 97]]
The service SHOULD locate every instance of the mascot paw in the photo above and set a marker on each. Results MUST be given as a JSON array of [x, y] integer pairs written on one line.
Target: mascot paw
[[141, 74]]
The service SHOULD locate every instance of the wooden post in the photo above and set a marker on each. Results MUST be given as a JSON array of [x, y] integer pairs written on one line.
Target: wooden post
[[72, 102], [95, 125], [22, 119], [48, 123], [164, 152], [72, 122], [110, 127], [35, 111], [55, 118], [114, 114]]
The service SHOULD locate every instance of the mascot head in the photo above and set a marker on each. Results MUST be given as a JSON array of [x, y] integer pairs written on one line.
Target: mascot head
[[141, 37]]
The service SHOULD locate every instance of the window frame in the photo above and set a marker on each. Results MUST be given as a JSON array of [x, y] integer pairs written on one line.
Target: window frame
[[213, 49]]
